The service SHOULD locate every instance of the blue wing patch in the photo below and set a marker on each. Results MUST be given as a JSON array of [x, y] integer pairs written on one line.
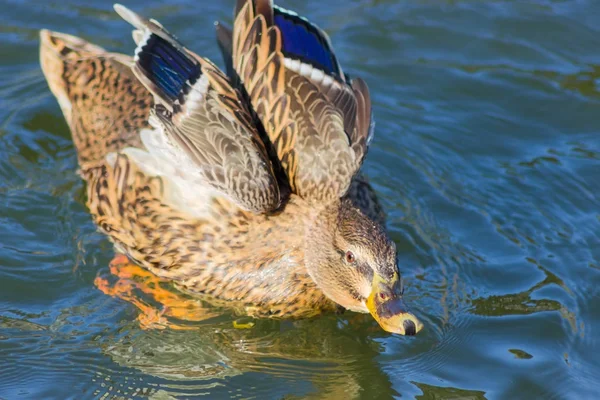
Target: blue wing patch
[[168, 68], [303, 41]]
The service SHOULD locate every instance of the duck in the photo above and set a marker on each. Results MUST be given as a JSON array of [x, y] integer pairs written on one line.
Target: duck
[[240, 186]]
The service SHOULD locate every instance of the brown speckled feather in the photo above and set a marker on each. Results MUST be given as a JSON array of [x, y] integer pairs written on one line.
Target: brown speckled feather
[[256, 262], [103, 102], [252, 261], [205, 117], [240, 257], [363, 196], [319, 125]]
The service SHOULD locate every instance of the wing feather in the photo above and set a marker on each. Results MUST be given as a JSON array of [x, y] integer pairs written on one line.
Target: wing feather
[[318, 121], [204, 116]]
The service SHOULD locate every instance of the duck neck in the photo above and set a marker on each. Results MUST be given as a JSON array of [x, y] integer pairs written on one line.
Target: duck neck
[[319, 252]]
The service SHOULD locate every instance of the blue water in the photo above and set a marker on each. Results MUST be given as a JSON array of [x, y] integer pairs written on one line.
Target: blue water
[[486, 158]]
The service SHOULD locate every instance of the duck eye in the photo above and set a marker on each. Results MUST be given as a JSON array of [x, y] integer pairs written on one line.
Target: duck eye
[[350, 258]]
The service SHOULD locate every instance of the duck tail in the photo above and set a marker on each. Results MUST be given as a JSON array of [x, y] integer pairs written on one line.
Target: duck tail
[[92, 87], [58, 51]]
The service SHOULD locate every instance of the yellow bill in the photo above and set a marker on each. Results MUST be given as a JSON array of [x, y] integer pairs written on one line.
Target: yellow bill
[[387, 307]]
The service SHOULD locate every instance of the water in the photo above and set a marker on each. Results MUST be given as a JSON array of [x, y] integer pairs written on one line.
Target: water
[[486, 158]]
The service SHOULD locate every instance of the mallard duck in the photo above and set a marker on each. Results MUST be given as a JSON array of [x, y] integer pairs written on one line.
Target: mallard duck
[[242, 187]]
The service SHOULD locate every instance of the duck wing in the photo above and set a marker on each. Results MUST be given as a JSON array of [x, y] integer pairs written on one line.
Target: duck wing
[[317, 119], [203, 116]]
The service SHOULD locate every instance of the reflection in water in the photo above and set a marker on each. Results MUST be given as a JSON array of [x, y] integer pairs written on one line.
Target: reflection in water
[[20, 324], [585, 82], [486, 160], [447, 393], [325, 356], [520, 354], [330, 363], [523, 303], [519, 303]]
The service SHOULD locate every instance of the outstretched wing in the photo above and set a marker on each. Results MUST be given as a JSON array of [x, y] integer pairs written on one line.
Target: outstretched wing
[[201, 114], [318, 121]]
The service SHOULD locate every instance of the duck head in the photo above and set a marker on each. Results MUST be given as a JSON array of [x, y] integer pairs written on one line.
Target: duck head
[[353, 261]]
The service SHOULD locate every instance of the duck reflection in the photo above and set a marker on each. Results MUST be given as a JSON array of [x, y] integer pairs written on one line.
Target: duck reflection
[[195, 343]]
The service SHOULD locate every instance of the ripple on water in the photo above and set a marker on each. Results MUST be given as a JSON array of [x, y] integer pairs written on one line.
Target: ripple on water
[[485, 157]]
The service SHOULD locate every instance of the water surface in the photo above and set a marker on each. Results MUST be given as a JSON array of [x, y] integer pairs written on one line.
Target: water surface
[[486, 158]]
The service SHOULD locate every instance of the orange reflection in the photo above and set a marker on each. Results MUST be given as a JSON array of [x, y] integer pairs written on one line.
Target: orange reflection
[[134, 283]]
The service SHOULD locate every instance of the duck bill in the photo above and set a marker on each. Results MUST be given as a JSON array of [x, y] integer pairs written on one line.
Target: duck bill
[[387, 307]]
